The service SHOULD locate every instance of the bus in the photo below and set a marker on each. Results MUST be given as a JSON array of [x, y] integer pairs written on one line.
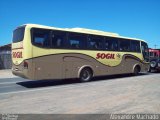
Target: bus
[[42, 52]]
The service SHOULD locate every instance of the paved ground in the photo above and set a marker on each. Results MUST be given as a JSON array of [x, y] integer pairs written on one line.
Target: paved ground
[[6, 74], [110, 94]]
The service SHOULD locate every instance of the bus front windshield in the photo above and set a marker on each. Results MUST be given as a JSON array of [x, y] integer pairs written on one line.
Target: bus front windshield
[[145, 51]]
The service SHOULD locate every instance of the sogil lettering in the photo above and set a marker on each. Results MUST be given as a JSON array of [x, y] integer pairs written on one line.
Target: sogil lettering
[[105, 56], [17, 55]]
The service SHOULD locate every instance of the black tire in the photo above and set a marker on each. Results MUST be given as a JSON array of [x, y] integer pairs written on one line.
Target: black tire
[[153, 64], [86, 75], [136, 70]]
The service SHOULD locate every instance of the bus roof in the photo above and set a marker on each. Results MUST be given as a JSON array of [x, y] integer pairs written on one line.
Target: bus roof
[[83, 30]]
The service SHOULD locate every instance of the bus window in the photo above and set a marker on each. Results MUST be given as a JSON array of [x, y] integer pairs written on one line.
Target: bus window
[[110, 44], [124, 45], [95, 42], [135, 46], [58, 38], [76, 41], [41, 38], [113, 44], [18, 34]]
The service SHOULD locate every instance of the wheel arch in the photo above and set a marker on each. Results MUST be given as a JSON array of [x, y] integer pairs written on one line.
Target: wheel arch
[[136, 65]]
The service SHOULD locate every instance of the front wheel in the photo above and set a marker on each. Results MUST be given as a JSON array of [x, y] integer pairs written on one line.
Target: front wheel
[[150, 70], [86, 75]]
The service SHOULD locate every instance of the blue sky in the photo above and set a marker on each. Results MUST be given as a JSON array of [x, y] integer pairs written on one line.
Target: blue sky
[[131, 18]]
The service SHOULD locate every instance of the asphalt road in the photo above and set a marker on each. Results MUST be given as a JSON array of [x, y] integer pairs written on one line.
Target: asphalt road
[[13, 85], [16, 84], [110, 94]]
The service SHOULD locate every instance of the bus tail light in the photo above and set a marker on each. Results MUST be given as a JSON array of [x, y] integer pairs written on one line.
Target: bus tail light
[[25, 64]]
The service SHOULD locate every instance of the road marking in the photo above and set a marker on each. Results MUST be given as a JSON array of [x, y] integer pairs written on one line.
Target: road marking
[[7, 77], [51, 87], [23, 91], [10, 82], [7, 86]]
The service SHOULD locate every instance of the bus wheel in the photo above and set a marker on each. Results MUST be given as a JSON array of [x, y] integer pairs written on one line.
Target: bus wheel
[[136, 70], [86, 75]]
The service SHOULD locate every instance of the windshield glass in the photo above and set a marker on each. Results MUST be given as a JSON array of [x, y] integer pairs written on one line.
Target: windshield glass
[[145, 51], [18, 34]]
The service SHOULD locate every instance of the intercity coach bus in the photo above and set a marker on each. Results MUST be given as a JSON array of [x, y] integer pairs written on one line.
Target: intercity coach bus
[[43, 52]]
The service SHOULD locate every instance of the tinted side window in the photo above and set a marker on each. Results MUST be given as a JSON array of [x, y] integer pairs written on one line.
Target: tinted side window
[[135, 46], [111, 44], [41, 37], [95, 42], [18, 34], [76, 41], [124, 45], [108, 44], [57, 39]]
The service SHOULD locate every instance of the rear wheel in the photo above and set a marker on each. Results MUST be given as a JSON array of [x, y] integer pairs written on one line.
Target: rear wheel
[[86, 75], [136, 70]]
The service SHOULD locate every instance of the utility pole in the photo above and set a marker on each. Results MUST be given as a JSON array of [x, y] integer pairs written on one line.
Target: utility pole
[[155, 46]]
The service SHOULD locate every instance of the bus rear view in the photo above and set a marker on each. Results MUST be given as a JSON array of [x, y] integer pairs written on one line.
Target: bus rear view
[[19, 48]]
